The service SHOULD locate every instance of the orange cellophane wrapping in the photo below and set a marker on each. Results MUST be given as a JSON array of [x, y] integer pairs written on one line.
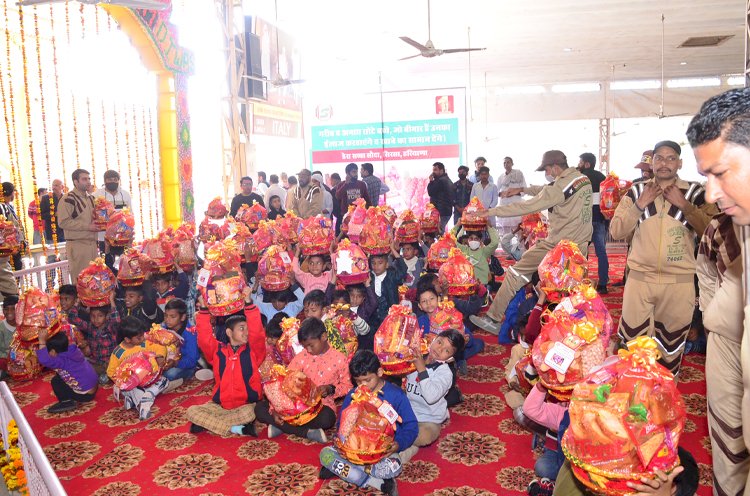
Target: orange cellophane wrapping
[[626, 420], [533, 227], [288, 227], [339, 321], [37, 310], [355, 219], [582, 323], [288, 344], [389, 213], [275, 269], [316, 235], [446, 317], [520, 367], [265, 235], [224, 291], [10, 237], [457, 274], [395, 339], [95, 284], [159, 250], [134, 268], [120, 228], [407, 228], [610, 193], [430, 219], [360, 265], [139, 369], [23, 364], [102, 212], [439, 251], [364, 435], [563, 268], [377, 234], [169, 339], [216, 208], [292, 395], [469, 219], [208, 232], [251, 215], [183, 246], [240, 234]]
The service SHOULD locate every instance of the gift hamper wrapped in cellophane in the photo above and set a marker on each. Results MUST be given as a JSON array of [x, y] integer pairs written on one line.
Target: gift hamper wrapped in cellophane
[[251, 215], [137, 370], [365, 435], [470, 221], [406, 228], [563, 268], [611, 191], [573, 341], [210, 229], [160, 251], [223, 290], [168, 338], [446, 317], [352, 266], [626, 419], [288, 344], [316, 235], [288, 226], [37, 310], [339, 322], [377, 234], [240, 234], [183, 246], [396, 339], [292, 395], [457, 275], [120, 229], [534, 227], [95, 284], [134, 267], [23, 364], [102, 212], [430, 220], [354, 220], [10, 237], [439, 251], [389, 213], [275, 269], [265, 236]]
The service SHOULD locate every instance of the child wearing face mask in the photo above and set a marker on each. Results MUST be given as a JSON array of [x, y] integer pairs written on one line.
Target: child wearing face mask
[[477, 252]]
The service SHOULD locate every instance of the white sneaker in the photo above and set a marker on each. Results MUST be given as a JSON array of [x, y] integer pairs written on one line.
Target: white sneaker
[[486, 323], [173, 385]]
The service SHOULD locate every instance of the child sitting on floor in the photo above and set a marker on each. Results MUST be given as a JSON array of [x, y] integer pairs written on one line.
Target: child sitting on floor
[[273, 334], [69, 299], [414, 263], [341, 296], [316, 276], [272, 302], [385, 281], [147, 311], [548, 415], [314, 304], [326, 368], [166, 289], [100, 333], [133, 340], [365, 370], [75, 380], [175, 319]]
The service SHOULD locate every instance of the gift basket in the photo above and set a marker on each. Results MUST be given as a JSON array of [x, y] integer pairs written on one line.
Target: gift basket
[[406, 228], [470, 221], [287, 227], [168, 338], [457, 274], [395, 340], [240, 234], [366, 435], [573, 341], [275, 269], [430, 220], [183, 247], [23, 364], [265, 236], [224, 285], [563, 268], [352, 266], [37, 310], [316, 234], [134, 268], [439, 251], [159, 250], [95, 284], [292, 395], [526, 383], [120, 228], [377, 234], [445, 318], [137, 370], [354, 220], [251, 215], [211, 230], [339, 322], [288, 344], [611, 190], [389, 213], [533, 228], [10, 238], [103, 210], [216, 209], [626, 420]]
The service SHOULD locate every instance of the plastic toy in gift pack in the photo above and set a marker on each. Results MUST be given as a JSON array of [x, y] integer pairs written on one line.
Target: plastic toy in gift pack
[[275, 269], [355, 219], [352, 266], [389, 213], [339, 322], [366, 428], [288, 344], [138, 370], [470, 220], [183, 247], [611, 191], [626, 419], [439, 251], [103, 210], [446, 317], [292, 395], [251, 215], [23, 364], [316, 235], [10, 239], [457, 275], [533, 227], [216, 209], [430, 219], [563, 268], [120, 228], [167, 338], [95, 284], [37, 310], [407, 228], [377, 234], [134, 268], [221, 282], [396, 339]]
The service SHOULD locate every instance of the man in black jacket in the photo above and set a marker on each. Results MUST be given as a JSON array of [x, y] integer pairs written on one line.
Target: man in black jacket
[[601, 225], [442, 193], [246, 197]]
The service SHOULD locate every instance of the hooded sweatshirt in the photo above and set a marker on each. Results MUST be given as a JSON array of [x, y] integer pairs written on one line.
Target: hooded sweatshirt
[[72, 367]]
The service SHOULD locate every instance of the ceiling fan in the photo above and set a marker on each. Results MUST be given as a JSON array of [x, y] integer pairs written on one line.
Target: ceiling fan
[[133, 4], [428, 49]]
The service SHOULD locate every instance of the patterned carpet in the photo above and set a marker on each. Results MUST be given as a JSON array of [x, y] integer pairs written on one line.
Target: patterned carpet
[[100, 449]]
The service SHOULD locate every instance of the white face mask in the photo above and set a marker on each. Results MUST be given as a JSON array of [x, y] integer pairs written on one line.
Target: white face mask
[[474, 245], [549, 178]]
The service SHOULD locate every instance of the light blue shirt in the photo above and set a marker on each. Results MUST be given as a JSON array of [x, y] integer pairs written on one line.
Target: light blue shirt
[[291, 309]]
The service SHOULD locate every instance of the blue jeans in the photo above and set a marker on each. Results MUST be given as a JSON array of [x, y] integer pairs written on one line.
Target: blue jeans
[[600, 245], [176, 373], [547, 465]]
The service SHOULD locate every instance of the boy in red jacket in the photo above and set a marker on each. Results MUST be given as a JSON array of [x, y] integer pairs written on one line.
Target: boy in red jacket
[[235, 365]]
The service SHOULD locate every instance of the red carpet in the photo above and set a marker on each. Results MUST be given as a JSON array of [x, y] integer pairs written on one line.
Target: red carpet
[[100, 449]]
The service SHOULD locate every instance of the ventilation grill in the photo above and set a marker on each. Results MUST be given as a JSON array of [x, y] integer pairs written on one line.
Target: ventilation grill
[[704, 41]]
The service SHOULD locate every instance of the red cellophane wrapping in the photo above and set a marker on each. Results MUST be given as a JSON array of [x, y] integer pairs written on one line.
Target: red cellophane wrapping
[[377, 234], [265, 235], [102, 212], [10, 239], [446, 317], [579, 327], [469, 219], [288, 227], [430, 219], [523, 380], [216, 208], [563, 268], [339, 321], [275, 269], [292, 395], [533, 227], [139, 369], [457, 274], [356, 219], [364, 436], [223, 293], [610, 192], [316, 235], [23, 364], [439, 251], [288, 344], [389, 213], [240, 233], [625, 421], [134, 268], [209, 232], [37, 310], [120, 228], [95, 284], [159, 250], [360, 270], [251, 215], [395, 340], [407, 228], [167, 338], [183, 246]]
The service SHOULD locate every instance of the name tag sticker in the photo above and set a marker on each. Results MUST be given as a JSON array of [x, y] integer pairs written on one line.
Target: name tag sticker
[[559, 358], [203, 276]]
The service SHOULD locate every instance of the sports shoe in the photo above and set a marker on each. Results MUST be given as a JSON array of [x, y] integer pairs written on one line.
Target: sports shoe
[[534, 488], [249, 430], [274, 431], [103, 379], [196, 429], [462, 367], [486, 323], [387, 468], [144, 406], [548, 486], [62, 406], [389, 487], [173, 385], [316, 435], [325, 474]]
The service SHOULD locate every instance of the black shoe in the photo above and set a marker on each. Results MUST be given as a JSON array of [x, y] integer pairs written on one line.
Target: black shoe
[[618, 284], [63, 406], [389, 487], [249, 430], [196, 429], [601, 290], [325, 474]]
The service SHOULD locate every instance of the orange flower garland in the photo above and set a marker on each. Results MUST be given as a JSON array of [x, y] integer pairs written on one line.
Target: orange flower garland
[[11, 462], [148, 181], [153, 164], [139, 189]]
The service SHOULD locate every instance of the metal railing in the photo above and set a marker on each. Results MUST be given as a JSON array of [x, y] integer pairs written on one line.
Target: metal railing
[[47, 277]]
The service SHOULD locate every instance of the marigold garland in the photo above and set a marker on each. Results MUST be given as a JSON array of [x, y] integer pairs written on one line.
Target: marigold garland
[[29, 129], [148, 180], [57, 94], [72, 95], [139, 189], [11, 462]]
